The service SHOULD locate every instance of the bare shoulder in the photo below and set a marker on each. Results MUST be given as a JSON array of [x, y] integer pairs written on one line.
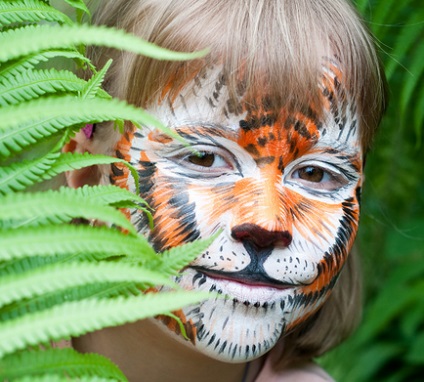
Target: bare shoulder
[[304, 372], [307, 372]]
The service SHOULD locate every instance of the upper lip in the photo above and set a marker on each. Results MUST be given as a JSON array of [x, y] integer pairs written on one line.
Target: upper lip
[[254, 280]]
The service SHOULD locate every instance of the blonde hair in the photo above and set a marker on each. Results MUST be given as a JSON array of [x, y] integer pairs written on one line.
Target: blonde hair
[[280, 43]]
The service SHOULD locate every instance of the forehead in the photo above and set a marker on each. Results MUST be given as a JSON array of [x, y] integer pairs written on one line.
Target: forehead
[[204, 106]]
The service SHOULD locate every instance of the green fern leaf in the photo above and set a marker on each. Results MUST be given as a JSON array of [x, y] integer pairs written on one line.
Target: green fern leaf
[[174, 259], [92, 87], [18, 176], [23, 11], [79, 4], [58, 361], [38, 303], [77, 318], [32, 39], [32, 84], [18, 66], [75, 161], [103, 194], [24, 124], [53, 278], [43, 205], [36, 241], [61, 378], [26, 264]]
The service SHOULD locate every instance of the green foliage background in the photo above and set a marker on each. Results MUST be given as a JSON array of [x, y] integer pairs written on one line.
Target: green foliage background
[[389, 344]]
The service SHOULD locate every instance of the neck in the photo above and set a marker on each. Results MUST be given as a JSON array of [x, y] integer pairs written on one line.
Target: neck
[[145, 352]]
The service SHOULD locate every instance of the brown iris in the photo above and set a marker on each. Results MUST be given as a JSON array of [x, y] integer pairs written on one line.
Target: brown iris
[[311, 174], [202, 159]]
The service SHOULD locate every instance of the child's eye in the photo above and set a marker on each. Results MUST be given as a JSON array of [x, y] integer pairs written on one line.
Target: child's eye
[[206, 159], [318, 178]]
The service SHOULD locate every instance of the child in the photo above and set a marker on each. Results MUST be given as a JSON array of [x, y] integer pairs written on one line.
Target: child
[[281, 114]]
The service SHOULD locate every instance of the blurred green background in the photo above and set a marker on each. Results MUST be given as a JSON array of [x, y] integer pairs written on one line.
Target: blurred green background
[[389, 344]]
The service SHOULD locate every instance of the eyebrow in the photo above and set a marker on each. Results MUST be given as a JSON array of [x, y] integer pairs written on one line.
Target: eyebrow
[[206, 129]]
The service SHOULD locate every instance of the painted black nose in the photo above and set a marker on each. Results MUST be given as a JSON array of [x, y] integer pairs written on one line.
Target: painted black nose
[[260, 237]]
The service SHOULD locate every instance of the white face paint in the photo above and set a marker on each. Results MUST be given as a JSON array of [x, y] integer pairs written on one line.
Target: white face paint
[[282, 188]]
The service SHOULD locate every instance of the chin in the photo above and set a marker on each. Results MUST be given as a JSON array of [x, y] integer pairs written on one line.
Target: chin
[[240, 322]]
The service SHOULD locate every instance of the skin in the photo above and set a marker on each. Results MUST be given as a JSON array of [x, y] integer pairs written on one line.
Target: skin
[[281, 187]]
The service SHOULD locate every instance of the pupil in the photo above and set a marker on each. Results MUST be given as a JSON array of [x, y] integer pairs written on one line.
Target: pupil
[[311, 174], [204, 159]]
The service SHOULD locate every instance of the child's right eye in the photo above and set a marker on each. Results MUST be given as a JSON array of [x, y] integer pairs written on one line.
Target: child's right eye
[[206, 161]]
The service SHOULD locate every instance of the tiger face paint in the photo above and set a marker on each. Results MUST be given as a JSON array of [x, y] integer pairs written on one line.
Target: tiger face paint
[[283, 189]]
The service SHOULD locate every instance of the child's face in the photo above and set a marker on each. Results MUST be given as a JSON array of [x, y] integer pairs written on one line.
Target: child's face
[[283, 190]]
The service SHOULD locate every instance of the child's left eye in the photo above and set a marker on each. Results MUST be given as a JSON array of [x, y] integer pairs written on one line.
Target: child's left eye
[[318, 178]]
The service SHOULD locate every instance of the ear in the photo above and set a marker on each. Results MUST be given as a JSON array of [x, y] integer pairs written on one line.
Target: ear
[[91, 175]]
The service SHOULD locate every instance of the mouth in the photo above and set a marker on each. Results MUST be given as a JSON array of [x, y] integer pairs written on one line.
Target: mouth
[[252, 280]]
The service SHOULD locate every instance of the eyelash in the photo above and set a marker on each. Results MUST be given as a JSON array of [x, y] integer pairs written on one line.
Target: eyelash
[[325, 179], [209, 157]]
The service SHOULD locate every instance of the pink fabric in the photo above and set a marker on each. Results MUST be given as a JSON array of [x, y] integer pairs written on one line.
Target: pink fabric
[[88, 130]]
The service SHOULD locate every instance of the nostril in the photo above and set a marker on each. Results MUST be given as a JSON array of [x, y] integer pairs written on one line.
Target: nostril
[[259, 236]]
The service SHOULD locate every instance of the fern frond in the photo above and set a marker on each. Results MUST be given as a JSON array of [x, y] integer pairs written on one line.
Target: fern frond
[[104, 194], [92, 87], [36, 241], [174, 259], [18, 66], [43, 205], [32, 39], [58, 361], [34, 83], [62, 276], [30, 11], [76, 161], [18, 176], [77, 318], [24, 124]]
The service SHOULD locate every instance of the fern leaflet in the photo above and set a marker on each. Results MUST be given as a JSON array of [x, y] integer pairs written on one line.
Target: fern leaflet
[[33, 11], [32, 84], [19, 66], [87, 315], [58, 361], [15, 43], [44, 205], [92, 87], [75, 161], [36, 241], [18, 176], [62, 276]]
